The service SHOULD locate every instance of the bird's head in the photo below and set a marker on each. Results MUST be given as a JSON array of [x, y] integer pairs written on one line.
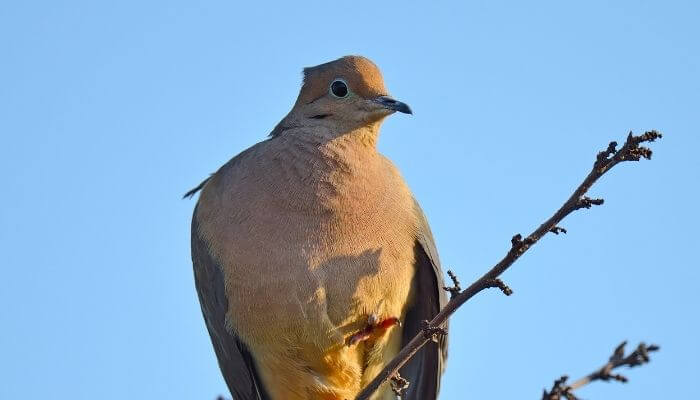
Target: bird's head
[[344, 95]]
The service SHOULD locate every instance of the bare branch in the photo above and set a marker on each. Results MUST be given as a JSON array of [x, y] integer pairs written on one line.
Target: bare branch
[[605, 160], [560, 390]]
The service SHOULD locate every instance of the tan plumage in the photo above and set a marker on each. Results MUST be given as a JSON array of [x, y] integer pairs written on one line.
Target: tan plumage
[[300, 238]]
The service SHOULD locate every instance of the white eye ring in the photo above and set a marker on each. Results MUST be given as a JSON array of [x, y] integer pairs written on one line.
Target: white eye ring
[[339, 88]]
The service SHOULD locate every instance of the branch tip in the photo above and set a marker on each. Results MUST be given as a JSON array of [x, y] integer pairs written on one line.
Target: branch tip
[[455, 289], [632, 151], [497, 283]]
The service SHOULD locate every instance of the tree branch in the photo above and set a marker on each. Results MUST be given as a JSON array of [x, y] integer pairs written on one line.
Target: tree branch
[[560, 390], [605, 160]]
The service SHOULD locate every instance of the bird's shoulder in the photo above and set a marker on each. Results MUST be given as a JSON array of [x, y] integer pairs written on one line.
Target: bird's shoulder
[[239, 164]]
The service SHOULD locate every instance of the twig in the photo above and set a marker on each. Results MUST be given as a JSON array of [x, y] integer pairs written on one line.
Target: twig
[[557, 230], [399, 384], [630, 151], [560, 390], [455, 288]]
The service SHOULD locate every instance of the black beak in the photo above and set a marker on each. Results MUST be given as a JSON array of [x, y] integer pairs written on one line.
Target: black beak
[[391, 104]]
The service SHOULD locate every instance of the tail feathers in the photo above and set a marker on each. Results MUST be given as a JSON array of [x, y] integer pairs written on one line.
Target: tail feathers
[[199, 187]]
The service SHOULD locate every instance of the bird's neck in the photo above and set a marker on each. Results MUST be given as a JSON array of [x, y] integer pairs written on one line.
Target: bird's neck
[[352, 148], [325, 151], [321, 166]]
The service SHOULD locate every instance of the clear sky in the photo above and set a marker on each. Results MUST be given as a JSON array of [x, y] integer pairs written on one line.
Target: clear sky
[[110, 111]]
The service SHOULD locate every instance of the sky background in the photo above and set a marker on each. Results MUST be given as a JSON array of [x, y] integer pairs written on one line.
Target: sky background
[[110, 111]]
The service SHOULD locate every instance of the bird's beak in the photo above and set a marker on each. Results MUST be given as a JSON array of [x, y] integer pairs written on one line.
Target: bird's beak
[[391, 104]]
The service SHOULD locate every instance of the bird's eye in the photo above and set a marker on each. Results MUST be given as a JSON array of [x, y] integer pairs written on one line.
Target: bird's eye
[[339, 88]]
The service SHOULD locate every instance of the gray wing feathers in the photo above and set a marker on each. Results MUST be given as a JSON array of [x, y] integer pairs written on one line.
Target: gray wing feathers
[[236, 363], [424, 370], [425, 238]]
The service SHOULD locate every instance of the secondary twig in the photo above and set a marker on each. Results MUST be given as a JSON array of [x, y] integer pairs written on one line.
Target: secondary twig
[[455, 288], [399, 384], [560, 390], [606, 159]]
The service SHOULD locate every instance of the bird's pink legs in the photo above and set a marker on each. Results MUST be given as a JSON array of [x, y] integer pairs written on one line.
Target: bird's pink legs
[[373, 329]]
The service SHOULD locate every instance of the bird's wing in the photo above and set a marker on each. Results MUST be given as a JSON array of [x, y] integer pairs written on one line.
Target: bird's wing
[[424, 370], [235, 360]]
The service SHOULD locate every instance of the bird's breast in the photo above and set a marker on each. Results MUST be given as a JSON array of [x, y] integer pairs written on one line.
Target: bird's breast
[[300, 280], [349, 254]]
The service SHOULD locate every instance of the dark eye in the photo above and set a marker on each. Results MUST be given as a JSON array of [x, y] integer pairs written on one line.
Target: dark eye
[[339, 88]]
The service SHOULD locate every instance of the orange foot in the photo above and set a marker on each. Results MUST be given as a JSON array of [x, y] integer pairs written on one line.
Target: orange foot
[[374, 328]]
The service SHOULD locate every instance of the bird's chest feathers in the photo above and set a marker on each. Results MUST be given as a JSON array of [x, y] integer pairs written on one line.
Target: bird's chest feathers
[[319, 265]]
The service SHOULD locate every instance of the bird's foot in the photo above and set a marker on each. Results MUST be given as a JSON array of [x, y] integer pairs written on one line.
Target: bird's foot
[[374, 328]]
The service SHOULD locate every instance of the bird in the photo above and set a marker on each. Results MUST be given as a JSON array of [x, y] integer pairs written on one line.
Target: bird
[[313, 262]]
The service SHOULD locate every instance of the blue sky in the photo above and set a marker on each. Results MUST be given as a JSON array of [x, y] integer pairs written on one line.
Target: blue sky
[[109, 111]]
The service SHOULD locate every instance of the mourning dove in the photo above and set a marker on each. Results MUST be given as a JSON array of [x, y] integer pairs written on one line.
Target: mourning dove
[[313, 262]]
